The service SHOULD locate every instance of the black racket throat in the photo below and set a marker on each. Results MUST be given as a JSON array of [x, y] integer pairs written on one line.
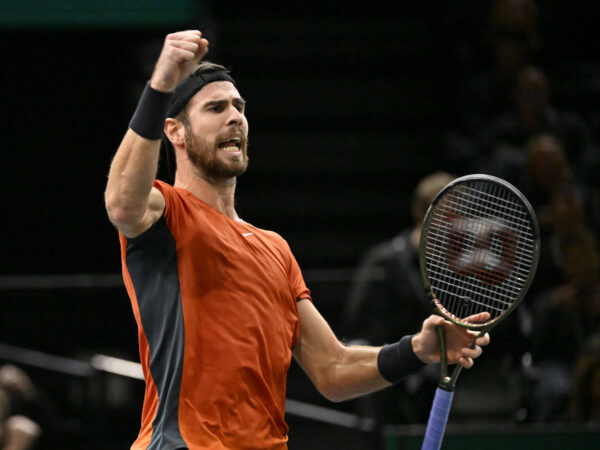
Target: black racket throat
[[448, 382]]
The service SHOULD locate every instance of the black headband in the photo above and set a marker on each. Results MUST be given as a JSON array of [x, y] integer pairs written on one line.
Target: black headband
[[192, 84]]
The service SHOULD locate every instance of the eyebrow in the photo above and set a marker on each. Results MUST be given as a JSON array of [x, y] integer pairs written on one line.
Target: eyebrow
[[236, 101]]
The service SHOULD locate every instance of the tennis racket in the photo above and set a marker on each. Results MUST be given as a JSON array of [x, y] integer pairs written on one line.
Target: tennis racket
[[479, 252]]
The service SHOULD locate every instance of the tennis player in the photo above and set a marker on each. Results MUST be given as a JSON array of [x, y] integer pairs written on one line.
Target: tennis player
[[221, 305]]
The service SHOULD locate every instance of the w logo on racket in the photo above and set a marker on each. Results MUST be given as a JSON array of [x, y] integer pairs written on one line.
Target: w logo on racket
[[482, 247]]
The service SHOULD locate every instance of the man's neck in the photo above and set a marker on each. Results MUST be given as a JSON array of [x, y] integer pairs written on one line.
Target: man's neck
[[218, 194]]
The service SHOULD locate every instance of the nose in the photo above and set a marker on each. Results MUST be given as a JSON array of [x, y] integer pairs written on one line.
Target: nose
[[236, 117]]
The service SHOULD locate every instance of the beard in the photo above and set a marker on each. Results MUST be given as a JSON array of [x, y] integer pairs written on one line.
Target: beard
[[204, 157]]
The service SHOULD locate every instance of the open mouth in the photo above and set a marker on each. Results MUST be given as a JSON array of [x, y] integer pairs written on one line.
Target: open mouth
[[231, 145]]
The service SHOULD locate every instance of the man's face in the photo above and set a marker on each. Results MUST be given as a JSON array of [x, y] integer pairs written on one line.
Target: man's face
[[216, 132]]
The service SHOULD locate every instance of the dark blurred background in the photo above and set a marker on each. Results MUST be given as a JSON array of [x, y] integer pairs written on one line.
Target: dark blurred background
[[350, 105]]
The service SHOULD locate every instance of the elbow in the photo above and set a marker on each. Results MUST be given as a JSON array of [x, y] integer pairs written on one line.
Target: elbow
[[328, 390], [334, 391], [118, 211], [330, 383], [334, 395], [117, 216]]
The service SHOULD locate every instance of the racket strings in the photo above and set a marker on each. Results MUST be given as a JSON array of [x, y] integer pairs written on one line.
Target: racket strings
[[507, 290], [479, 249], [517, 220], [468, 211]]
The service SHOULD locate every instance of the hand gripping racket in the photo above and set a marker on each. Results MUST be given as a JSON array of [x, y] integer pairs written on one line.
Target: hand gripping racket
[[479, 252]]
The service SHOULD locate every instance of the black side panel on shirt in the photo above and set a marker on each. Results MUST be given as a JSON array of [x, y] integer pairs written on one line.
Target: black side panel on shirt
[[152, 263]]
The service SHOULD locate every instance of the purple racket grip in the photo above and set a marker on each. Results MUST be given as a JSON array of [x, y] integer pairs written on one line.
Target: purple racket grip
[[437, 419]]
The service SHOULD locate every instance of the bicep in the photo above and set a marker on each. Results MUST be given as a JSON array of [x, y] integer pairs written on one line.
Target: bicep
[[318, 349]]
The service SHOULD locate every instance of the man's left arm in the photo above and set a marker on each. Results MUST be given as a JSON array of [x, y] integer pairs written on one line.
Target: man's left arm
[[340, 372]]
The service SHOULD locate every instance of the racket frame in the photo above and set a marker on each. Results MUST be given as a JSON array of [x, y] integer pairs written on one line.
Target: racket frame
[[448, 382]]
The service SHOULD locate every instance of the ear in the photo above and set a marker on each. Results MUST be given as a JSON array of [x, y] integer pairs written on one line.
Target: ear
[[175, 132]]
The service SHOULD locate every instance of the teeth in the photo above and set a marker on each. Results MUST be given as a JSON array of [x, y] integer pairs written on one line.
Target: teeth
[[230, 149], [233, 142]]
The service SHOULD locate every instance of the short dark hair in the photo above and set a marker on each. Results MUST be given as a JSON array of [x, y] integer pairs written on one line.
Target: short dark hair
[[208, 66]]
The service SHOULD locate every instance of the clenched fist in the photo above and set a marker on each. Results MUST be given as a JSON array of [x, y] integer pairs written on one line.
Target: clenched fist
[[180, 53]]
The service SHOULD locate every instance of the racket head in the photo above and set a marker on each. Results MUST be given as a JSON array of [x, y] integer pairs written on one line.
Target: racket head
[[479, 249]]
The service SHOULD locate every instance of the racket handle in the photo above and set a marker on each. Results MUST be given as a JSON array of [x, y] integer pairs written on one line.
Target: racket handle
[[437, 419]]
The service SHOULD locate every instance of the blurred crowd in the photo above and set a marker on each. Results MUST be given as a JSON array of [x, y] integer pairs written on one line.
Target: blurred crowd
[[509, 127], [19, 427]]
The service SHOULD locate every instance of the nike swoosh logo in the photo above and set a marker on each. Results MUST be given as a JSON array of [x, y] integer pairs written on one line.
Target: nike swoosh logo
[[247, 234]]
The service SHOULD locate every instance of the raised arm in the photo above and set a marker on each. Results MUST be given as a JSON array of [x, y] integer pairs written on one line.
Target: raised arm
[[132, 204], [340, 372]]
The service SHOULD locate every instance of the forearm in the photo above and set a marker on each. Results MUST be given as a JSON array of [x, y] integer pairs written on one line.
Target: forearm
[[129, 187], [342, 372], [131, 176], [368, 369], [355, 373]]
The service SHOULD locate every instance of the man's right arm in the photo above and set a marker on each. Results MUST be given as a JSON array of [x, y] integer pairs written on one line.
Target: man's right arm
[[132, 203]]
